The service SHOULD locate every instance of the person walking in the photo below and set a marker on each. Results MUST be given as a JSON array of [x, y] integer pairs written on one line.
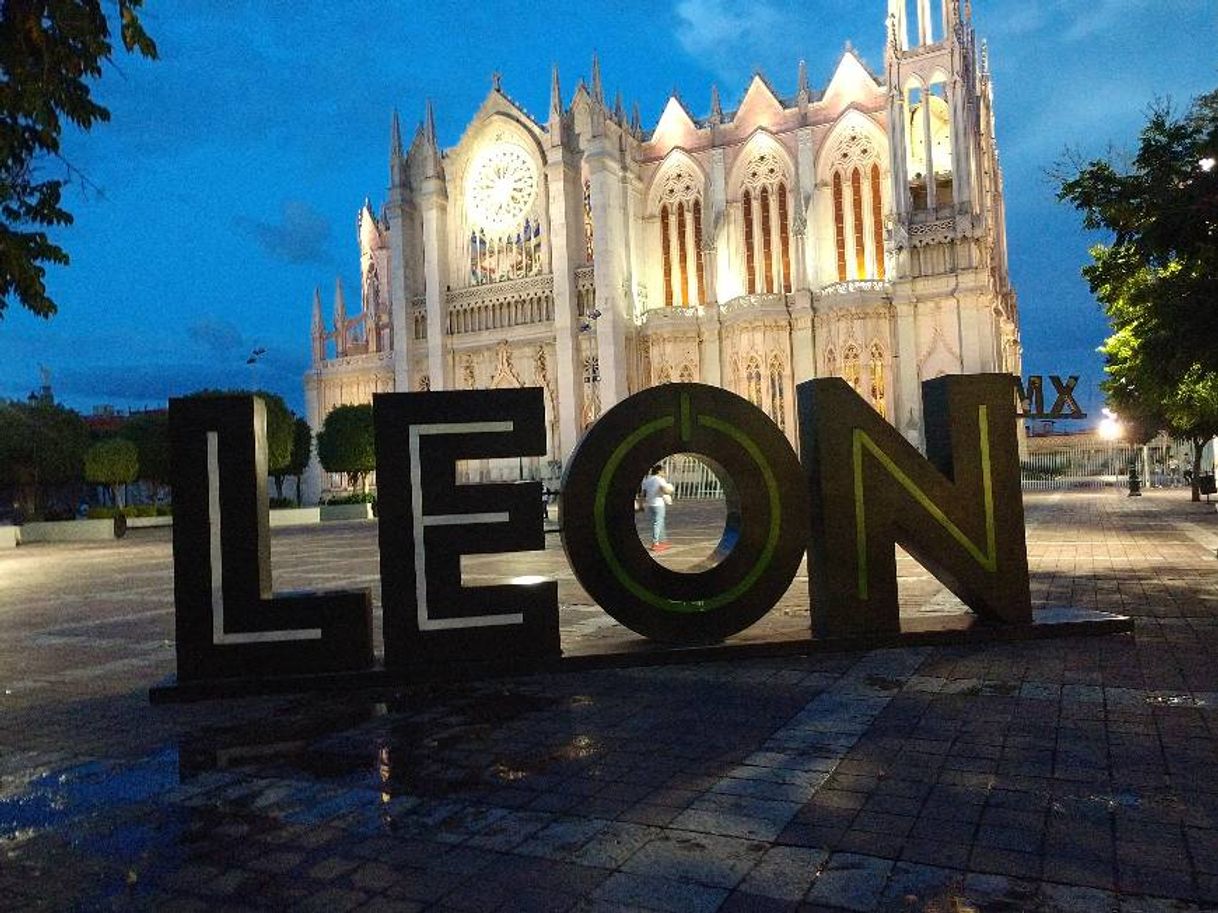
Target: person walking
[[656, 496]]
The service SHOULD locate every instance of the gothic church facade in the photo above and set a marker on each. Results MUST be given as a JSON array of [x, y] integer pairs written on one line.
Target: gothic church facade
[[856, 231]]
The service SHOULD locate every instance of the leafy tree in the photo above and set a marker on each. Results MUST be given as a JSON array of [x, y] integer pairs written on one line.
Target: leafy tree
[[149, 432], [113, 462], [50, 52], [1157, 278], [302, 449], [41, 444], [279, 427], [346, 443]]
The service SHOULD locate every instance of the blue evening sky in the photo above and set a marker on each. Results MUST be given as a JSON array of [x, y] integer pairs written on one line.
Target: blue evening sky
[[233, 167]]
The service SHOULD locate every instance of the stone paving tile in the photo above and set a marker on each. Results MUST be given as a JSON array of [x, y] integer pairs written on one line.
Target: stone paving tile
[[1056, 776]]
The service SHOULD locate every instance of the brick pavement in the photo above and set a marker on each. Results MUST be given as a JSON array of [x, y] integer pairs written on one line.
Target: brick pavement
[[1071, 775]]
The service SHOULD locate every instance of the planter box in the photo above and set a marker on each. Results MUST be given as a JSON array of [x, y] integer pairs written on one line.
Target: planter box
[[74, 531], [346, 512], [147, 522], [9, 536], [295, 516]]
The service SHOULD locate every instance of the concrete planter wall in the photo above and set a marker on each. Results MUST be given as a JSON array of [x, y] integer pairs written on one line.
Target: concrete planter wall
[[346, 512], [295, 516], [74, 531], [148, 522], [9, 536]]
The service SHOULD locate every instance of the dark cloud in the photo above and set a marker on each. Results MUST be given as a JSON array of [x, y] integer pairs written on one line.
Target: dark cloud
[[302, 234], [218, 336]]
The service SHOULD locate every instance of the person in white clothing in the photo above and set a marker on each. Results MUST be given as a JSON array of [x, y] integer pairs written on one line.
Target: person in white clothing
[[657, 495]]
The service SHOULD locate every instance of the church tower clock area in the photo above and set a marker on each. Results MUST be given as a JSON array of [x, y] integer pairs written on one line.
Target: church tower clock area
[[855, 230]]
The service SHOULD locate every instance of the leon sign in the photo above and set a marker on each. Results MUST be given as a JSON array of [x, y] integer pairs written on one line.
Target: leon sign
[[860, 489]]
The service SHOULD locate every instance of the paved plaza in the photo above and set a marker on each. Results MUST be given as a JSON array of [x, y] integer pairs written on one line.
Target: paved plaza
[[1065, 775]]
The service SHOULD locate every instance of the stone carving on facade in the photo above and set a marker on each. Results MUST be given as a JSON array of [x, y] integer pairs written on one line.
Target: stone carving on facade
[[505, 373]]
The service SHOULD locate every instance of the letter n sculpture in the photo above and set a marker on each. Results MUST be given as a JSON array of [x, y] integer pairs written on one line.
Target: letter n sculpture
[[958, 512]]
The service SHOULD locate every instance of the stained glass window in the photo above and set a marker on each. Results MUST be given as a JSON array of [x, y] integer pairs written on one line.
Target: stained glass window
[[850, 366], [784, 239], [682, 255], [877, 221], [752, 379], [839, 226], [666, 255], [860, 251], [746, 202], [767, 258], [877, 380], [698, 265], [588, 220], [778, 398]]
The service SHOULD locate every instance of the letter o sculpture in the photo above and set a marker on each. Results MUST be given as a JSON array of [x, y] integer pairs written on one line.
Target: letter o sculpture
[[767, 513]]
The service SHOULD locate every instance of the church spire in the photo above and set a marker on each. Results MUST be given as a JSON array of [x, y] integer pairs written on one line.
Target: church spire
[[319, 329], [636, 120], [619, 112], [429, 125], [803, 78], [555, 95], [395, 138], [340, 319], [434, 167], [598, 92], [716, 115]]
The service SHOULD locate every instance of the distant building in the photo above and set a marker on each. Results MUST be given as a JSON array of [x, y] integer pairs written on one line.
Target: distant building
[[857, 231]]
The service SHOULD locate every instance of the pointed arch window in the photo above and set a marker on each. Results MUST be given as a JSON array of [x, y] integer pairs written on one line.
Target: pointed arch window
[[666, 255], [850, 367], [857, 195], [778, 395], [878, 381], [784, 237], [752, 379], [877, 221], [767, 257], [588, 220], [698, 265], [839, 226], [682, 255], [749, 265], [764, 202], [680, 229]]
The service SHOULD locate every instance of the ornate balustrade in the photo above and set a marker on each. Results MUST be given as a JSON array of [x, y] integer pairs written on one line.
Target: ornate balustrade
[[515, 302]]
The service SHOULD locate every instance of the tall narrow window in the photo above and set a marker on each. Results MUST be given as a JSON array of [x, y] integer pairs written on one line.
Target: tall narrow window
[[767, 251], [666, 256], [784, 237], [682, 255], [877, 221], [850, 367], [839, 226], [860, 252], [778, 396], [752, 377], [698, 258], [749, 262], [588, 220], [877, 380]]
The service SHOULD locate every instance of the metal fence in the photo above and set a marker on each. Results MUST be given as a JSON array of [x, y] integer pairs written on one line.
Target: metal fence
[[1161, 464]]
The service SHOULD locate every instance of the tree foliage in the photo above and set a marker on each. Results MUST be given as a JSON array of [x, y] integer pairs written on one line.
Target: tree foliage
[[1157, 278], [50, 52], [346, 442], [149, 432], [280, 422], [112, 462], [41, 444], [302, 449]]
